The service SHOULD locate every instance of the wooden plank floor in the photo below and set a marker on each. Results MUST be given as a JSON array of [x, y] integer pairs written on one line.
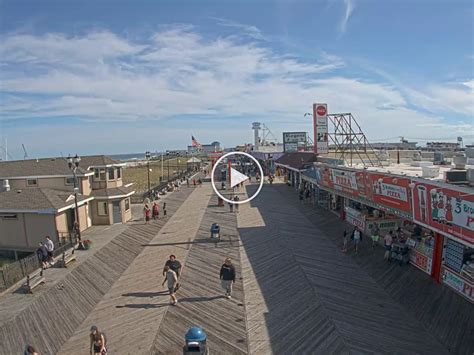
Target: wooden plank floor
[[443, 313], [47, 319], [296, 292], [297, 267], [132, 310], [201, 301]]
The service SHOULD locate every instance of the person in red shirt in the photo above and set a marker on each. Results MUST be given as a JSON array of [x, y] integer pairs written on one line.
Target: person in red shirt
[[155, 211]]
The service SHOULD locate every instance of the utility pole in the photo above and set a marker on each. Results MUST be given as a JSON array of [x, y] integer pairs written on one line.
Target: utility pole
[[162, 173], [148, 156]]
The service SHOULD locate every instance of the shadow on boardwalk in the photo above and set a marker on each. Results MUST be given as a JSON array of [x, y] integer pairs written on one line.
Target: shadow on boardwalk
[[318, 299]]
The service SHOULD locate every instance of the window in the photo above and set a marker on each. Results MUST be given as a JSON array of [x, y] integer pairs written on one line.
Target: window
[[70, 181], [32, 182], [103, 209], [119, 173], [99, 174], [8, 216], [127, 204], [111, 174]]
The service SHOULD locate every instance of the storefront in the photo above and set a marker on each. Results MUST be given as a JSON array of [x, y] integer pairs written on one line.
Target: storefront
[[448, 212], [436, 219], [458, 268], [422, 244], [367, 218]]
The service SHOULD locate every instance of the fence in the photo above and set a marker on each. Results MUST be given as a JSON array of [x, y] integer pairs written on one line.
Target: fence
[[14, 272], [139, 197]]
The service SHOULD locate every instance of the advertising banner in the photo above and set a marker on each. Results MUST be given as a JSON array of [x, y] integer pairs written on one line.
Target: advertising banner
[[390, 191], [320, 121], [351, 182], [459, 284], [421, 261], [294, 141], [355, 218], [444, 209]]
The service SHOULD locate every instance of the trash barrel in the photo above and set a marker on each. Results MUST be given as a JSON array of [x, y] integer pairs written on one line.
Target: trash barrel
[[195, 341], [215, 231]]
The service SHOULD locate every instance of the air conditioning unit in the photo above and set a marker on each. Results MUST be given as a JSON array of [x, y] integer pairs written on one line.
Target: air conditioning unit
[[470, 176], [457, 176], [429, 171], [460, 161]]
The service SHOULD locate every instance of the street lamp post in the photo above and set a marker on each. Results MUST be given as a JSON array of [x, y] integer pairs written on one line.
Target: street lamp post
[[73, 164], [148, 156], [168, 163]]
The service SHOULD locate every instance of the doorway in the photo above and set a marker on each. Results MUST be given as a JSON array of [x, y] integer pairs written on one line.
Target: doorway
[[116, 213]]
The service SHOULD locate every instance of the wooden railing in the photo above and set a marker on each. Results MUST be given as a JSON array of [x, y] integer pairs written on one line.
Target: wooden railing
[[15, 271]]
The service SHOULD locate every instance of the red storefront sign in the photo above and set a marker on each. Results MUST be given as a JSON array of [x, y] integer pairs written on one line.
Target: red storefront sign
[[421, 261], [389, 191], [350, 182], [444, 209]]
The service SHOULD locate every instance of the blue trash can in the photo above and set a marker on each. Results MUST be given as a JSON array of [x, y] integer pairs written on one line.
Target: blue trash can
[[195, 341], [215, 231]]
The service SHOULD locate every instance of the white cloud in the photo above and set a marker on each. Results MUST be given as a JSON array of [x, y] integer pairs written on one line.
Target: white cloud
[[248, 30], [176, 72], [450, 97], [349, 8]]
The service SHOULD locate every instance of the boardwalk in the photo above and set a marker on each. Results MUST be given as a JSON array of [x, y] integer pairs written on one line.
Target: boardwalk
[[295, 292], [49, 317]]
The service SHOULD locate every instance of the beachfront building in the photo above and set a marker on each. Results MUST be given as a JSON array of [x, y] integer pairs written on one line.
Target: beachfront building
[[434, 217], [37, 198], [205, 148]]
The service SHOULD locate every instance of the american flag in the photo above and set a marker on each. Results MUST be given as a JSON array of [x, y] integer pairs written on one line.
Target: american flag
[[195, 143]]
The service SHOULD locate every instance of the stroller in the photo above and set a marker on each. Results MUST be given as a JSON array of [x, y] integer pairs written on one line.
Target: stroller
[[401, 253]]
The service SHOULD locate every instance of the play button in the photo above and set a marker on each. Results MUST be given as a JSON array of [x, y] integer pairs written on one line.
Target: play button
[[236, 177], [241, 161]]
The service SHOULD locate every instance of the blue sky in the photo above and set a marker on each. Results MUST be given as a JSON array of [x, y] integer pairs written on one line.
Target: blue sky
[[129, 76]]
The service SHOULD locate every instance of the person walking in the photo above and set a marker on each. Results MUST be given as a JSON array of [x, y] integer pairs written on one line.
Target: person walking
[[187, 182], [375, 236], [227, 276], [147, 212], [356, 238], [42, 254], [194, 182], [237, 199], [97, 341], [231, 207], [174, 265], [388, 241], [30, 350], [155, 211], [172, 280], [49, 245]]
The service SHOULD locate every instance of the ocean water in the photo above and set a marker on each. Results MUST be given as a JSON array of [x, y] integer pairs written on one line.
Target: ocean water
[[130, 156]]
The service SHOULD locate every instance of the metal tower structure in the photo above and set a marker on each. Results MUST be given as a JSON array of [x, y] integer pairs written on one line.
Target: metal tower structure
[[351, 144], [267, 135]]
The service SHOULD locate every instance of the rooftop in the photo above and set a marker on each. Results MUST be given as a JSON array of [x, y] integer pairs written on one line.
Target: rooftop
[[121, 191], [296, 160], [37, 200], [52, 166]]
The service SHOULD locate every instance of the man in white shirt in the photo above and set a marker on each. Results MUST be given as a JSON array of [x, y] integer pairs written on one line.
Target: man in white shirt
[[48, 243]]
